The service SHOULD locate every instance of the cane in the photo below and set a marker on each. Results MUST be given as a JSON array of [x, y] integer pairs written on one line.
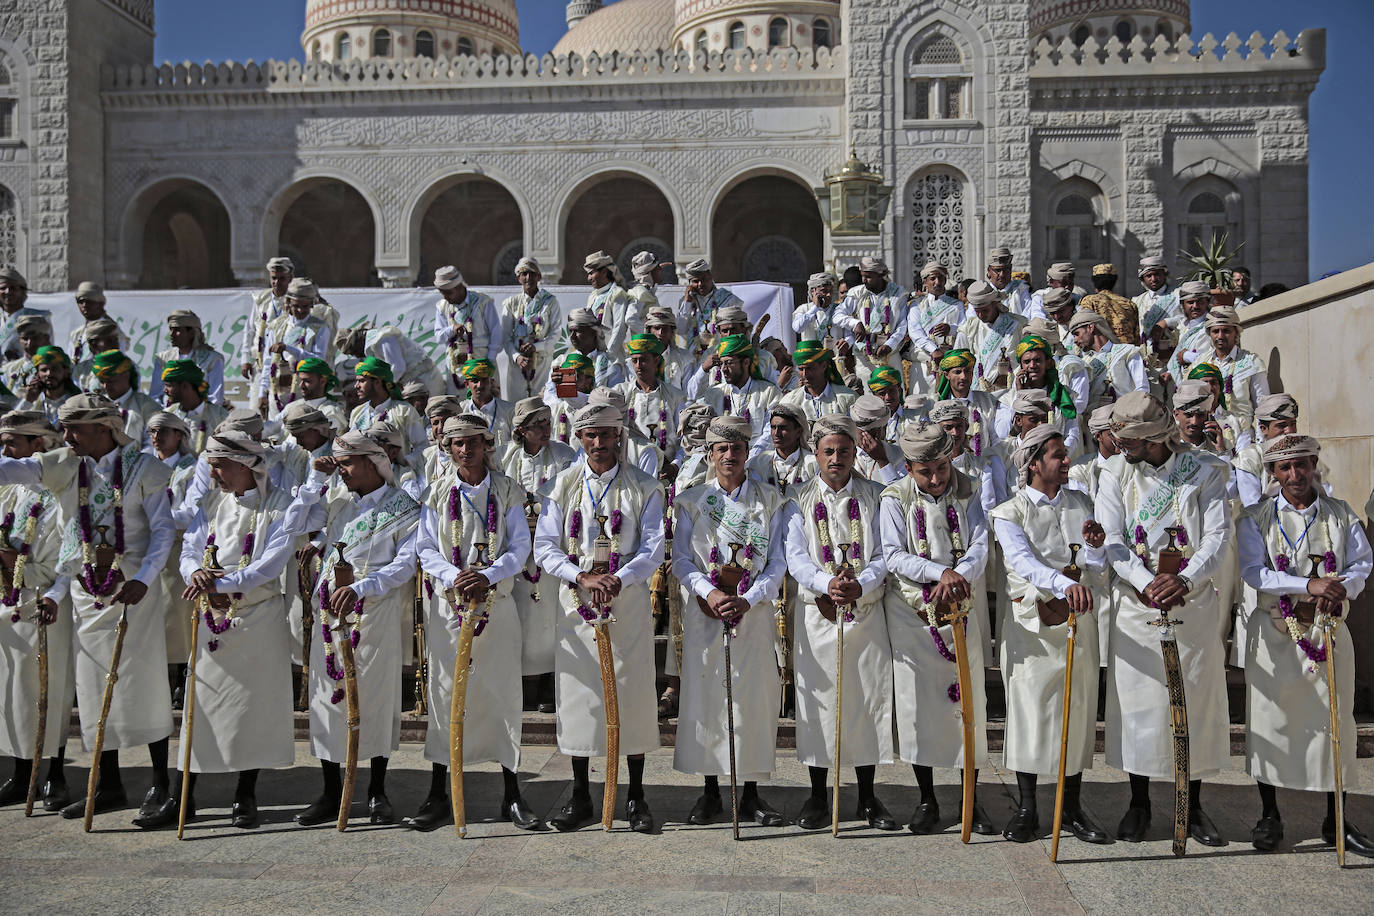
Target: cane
[[42, 712], [93, 781], [196, 611]]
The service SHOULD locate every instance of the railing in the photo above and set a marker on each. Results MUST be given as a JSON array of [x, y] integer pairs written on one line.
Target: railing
[[1163, 58]]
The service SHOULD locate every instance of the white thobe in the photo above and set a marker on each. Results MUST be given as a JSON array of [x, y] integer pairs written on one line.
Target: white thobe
[[751, 401], [883, 316], [401, 415], [923, 315], [653, 413], [833, 399], [990, 345], [211, 364], [450, 325], [529, 319]]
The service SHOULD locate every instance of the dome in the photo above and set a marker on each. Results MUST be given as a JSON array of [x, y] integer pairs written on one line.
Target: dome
[[626, 25], [1105, 17], [363, 29], [759, 25]]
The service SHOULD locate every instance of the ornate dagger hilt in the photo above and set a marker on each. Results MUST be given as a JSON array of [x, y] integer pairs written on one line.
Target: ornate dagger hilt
[[1072, 570]]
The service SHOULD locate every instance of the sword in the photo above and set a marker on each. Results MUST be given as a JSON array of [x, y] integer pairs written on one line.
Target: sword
[[1329, 626], [42, 712], [458, 703], [730, 575], [840, 613], [305, 585], [211, 563], [421, 659], [1074, 573], [343, 575], [93, 781], [610, 696], [1171, 561], [956, 616]]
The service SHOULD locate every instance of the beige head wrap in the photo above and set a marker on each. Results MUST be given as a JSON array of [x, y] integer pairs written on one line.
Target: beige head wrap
[[597, 260], [594, 416], [692, 422], [1060, 270], [1140, 415], [1029, 447], [603, 395], [528, 265], [165, 419], [39, 323], [924, 442], [981, 292], [285, 264], [1221, 316], [1100, 421], [1034, 402], [463, 426], [950, 409], [999, 257], [1285, 448], [354, 444], [1084, 317], [528, 410], [303, 288], [1194, 289], [185, 318], [833, 424], [660, 316], [241, 449], [1278, 406], [818, 280], [30, 423], [727, 430], [413, 389], [442, 405], [448, 277], [93, 409], [933, 267], [1055, 297], [1194, 395], [300, 416], [243, 420], [793, 413], [101, 327], [1151, 262], [869, 411], [387, 433], [585, 318], [732, 314], [698, 268]]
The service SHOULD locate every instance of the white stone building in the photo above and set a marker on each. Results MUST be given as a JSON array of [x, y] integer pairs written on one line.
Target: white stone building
[[415, 135]]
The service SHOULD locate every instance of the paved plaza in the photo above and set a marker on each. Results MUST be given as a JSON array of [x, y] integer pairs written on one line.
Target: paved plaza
[[49, 865]]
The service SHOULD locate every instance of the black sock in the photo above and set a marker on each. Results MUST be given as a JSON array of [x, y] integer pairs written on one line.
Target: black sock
[[1194, 795], [1073, 790], [248, 786], [581, 767], [712, 786], [820, 778], [376, 784], [110, 779], [23, 767], [635, 765], [56, 775], [751, 791], [1331, 806], [864, 776], [511, 782], [975, 788], [333, 780], [1140, 791], [438, 781], [925, 781], [1269, 800], [1025, 785], [157, 751]]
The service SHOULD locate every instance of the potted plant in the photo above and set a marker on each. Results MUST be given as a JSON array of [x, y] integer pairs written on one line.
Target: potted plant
[[1211, 265]]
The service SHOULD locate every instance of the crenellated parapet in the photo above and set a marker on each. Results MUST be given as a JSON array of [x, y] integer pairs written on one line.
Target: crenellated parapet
[[1183, 57]]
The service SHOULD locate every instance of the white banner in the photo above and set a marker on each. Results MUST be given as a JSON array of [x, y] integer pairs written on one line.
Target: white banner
[[224, 313]]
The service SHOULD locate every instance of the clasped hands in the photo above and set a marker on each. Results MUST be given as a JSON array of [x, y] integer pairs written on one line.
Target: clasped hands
[[602, 587], [1329, 592], [472, 586]]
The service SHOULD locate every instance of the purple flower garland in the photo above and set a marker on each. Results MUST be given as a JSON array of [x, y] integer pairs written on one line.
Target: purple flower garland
[[84, 522]]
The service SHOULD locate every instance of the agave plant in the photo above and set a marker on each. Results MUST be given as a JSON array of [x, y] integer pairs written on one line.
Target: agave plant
[[1211, 264]]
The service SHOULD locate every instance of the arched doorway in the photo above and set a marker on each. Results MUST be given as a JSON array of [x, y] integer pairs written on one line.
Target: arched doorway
[[767, 228], [328, 231], [185, 239], [611, 216], [475, 225]]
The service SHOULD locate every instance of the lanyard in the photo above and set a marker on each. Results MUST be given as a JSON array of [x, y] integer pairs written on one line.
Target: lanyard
[[1292, 544], [596, 501]]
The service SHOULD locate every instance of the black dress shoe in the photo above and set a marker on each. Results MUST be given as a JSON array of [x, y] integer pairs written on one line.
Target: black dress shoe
[[640, 817], [178, 697], [379, 810], [244, 814], [521, 814], [436, 811], [1085, 828], [1133, 825], [762, 813], [1355, 841], [153, 801], [877, 815], [55, 796], [925, 819], [982, 824], [166, 814], [813, 815], [1268, 833], [575, 815], [106, 800], [325, 810], [705, 810], [1201, 828], [1023, 827], [667, 705], [12, 792], [545, 706]]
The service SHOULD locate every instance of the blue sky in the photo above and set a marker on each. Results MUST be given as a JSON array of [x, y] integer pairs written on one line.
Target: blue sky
[[1342, 133]]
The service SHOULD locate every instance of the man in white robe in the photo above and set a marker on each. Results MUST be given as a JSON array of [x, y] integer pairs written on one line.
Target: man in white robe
[[530, 322], [822, 390], [815, 319], [601, 486], [873, 316], [1244, 376], [376, 386], [466, 322], [935, 545], [743, 391], [730, 519], [1038, 530], [834, 550], [474, 575], [1157, 483], [187, 339], [1159, 301], [932, 319], [990, 333], [370, 526], [652, 404], [1307, 557], [268, 304], [697, 312], [608, 302], [1114, 368]]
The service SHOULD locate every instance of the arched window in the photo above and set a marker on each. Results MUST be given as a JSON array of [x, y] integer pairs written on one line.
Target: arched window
[[1076, 229], [737, 36], [820, 34], [424, 43], [938, 222], [1081, 35], [381, 43], [465, 46], [315, 51], [9, 108], [702, 41], [1213, 209], [343, 48], [777, 32], [939, 80], [1125, 31], [1165, 29]]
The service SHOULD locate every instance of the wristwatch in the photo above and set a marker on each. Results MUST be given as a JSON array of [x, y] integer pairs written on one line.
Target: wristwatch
[[1187, 583]]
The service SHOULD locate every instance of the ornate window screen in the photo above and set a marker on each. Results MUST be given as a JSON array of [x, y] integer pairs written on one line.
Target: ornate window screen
[[9, 228], [939, 80], [937, 223]]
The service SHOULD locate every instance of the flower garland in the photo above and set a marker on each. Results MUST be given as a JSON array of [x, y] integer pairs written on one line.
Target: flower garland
[[83, 502], [730, 407], [463, 331], [714, 561], [533, 577], [822, 517], [564, 427], [332, 667], [231, 618], [975, 433], [923, 550], [882, 329], [661, 434], [11, 598], [455, 517], [600, 614], [1315, 655]]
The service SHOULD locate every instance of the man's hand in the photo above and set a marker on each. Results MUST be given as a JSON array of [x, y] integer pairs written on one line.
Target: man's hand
[[785, 376], [47, 610], [843, 348], [32, 390], [246, 369], [278, 347], [342, 600], [523, 361], [131, 592], [203, 582], [881, 352], [600, 586], [325, 464], [1329, 588], [474, 587], [1212, 430], [860, 332], [940, 330], [951, 588], [1093, 534], [873, 448], [1080, 598], [1166, 591], [711, 361], [844, 588]]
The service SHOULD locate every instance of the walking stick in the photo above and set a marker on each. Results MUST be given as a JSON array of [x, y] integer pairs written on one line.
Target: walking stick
[[1171, 561], [93, 781], [306, 575], [1329, 625], [343, 575], [726, 632], [839, 720], [470, 625], [956, 616], [610, 695], [42, 712], [421, 658], [209, 562], [1073, 572]]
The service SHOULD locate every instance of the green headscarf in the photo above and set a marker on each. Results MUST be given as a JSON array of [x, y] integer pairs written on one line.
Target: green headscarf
[[954, 359], [44, 356], [372, 367], [810, 352], [884, 377], [742, 346], [185, 370], [1212, 374], [647, 343], [316, 366], [111, 363], [1058, 393]]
